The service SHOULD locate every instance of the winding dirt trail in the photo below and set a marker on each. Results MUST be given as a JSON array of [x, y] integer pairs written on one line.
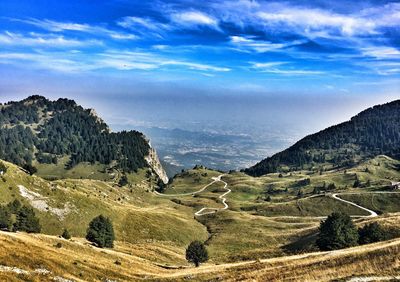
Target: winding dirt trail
[[205, 210], [336, 196], [371, 212]]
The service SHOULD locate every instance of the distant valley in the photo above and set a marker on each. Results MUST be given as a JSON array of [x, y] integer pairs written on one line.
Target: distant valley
[[101, 208], [182, 149]]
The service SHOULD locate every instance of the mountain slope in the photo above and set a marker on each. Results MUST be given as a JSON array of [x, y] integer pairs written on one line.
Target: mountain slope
[[76, 260], [38, 131], [375, 131], [137, 215]]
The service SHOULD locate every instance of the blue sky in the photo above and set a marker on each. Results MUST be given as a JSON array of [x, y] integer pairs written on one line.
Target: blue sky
[[166, 50]]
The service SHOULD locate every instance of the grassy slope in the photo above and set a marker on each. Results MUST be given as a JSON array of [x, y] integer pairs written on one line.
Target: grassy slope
[[137, 214], [382, 203], [380, 259], [81, 262], [254, 228], [144, 219], [191, 181], [81, 170]]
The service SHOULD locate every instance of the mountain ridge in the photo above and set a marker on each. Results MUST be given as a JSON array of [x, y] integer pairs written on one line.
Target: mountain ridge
[[372, 132], [37, 131]]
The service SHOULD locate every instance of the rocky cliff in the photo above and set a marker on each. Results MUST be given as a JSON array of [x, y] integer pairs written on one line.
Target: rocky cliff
[[154, 162]]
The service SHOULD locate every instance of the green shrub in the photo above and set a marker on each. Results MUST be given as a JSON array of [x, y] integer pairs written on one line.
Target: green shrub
[[101, 232], [30, 168], [336, 232], [27, 221], [371, 233], [14, 206], [196, 253], [123, 180], [5, 218], [66, 234]]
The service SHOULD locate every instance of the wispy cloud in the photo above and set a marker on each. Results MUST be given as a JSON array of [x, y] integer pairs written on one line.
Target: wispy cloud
[[193, 19], [275, 68], [49, 61], [311, 22], [247, 44], [57, 26], [77, 62], [315, 22], [48, 40], [144, 26], [267, 65], [381, 52], [281, 38], [174, 20], [197, 66]]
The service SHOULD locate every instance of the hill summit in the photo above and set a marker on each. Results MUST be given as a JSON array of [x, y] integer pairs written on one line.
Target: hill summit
[[375, 131], [38, 131]]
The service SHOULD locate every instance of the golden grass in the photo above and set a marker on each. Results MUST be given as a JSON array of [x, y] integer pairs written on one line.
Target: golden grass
[[369, 260], [79, 261]]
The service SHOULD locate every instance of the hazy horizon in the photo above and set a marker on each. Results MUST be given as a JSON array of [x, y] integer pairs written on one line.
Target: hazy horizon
[[266, 69]]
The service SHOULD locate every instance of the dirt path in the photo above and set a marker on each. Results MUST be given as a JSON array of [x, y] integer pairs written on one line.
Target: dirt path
[[208, 210], [371, 212], [205, 210]]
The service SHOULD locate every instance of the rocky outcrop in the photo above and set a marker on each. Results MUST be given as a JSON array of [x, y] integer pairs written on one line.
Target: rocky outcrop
[[154, 162], [99, 120]]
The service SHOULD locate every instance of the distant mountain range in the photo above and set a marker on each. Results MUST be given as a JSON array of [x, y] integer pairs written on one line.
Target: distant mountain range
[[375, 131], [38, 131]]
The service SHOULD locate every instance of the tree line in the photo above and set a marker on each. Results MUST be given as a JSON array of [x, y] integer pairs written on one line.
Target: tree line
[[57, 128], [338, 231], [372, 132]]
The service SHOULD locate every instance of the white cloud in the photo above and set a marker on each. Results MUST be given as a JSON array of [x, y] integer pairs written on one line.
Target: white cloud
[[160, 47], [53, 62], [247, 44], [197, 66], [133, 22], [48, 40], [316, 23], [281, 17], [144, 26], [273, 67], [266, 65], [75, 62], [56, 26], [193, 19], [294, 72], [381, 65], [381, 52]]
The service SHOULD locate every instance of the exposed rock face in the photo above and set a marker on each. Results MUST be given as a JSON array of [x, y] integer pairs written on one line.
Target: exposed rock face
[[154, 163], [94, 114]]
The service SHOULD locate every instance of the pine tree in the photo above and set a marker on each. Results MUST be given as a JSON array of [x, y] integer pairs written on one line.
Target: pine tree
[[337, 232], [101, 232], [196, 253], [66, 234], [14, 206], [371, 233], [27, 221], [5, 218]]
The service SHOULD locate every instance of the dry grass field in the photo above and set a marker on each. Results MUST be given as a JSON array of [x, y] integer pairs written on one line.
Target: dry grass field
[[26, 257], [253, 240]]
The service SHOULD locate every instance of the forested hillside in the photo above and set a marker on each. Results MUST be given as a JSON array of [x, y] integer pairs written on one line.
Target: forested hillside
[[38, 130], [373, 132]]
